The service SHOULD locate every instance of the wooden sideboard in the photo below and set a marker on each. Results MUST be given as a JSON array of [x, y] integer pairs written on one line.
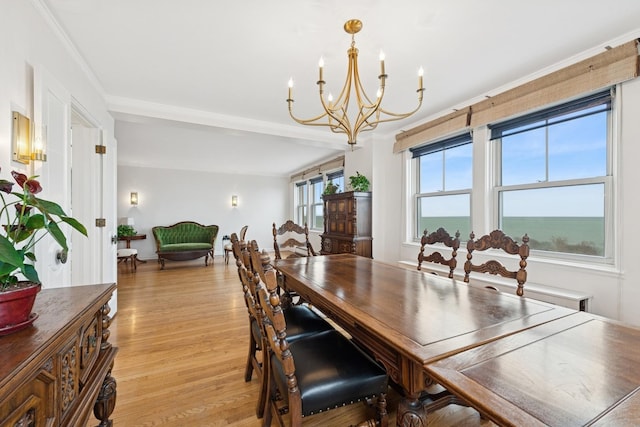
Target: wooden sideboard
[[58, 371], [347, 224]]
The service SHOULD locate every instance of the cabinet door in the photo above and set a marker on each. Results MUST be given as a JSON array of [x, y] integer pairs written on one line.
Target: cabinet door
[[340, 219], [30, 404], [90, 346]]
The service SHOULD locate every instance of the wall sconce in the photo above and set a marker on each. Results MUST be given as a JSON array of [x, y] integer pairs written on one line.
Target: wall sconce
[[21, 140], [28, 142], [234, 201], [39, 144], [134, 198]]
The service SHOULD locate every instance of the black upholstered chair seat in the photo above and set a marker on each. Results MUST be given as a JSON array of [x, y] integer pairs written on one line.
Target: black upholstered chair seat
[[331, 371], [301, 322]]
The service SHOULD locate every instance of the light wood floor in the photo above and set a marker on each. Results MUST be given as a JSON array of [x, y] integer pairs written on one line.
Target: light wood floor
[[183, 339]]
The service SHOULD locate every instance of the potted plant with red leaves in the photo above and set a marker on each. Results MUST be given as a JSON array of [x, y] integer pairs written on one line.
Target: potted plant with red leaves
[[25, 220]]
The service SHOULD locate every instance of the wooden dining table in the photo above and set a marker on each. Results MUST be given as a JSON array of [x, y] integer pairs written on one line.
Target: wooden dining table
[[408, 319], [581, 370]]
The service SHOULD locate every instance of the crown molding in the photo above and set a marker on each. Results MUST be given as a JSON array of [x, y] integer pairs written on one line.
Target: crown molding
[[42, 7]]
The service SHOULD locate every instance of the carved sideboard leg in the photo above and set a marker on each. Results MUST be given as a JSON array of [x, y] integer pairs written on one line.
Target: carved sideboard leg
[[106, 401], [106, 322]]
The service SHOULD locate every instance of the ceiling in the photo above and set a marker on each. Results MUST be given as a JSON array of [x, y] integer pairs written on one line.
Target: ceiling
[[202, 84]]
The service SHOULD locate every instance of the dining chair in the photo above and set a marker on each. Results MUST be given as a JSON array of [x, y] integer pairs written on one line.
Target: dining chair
[[290, 235], [439, 236], [498, 240], [255, 336], [331, 371], [302, 320], [228, 248]]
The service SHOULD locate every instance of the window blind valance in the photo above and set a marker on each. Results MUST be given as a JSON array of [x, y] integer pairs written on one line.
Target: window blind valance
[[452, 142], [438, 128], [604, 70], [528, 122], [334, 175], [600, 71], [336, 163]]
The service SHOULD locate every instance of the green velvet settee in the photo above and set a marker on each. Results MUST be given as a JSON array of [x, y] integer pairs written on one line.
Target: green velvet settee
[[185, 240]]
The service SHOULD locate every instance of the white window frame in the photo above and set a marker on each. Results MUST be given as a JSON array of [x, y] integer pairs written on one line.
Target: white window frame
[[299, 206], [607, 181], [310, 205], [414, 168]]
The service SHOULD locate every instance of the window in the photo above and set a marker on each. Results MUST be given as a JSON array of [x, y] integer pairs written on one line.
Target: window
[[553, 176], [317, 217], [337, 178], [443, 184], [301, 198], [308, 197]]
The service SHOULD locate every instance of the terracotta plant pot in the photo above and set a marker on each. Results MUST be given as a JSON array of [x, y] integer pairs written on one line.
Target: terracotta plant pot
[[15, 307]]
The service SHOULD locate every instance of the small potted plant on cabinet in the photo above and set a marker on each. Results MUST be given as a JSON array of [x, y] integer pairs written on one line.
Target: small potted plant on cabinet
[[330, 188], [26, 220], [359, 182]]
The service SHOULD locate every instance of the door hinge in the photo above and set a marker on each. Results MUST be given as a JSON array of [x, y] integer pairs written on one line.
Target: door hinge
[[101, 222], [101, 149]]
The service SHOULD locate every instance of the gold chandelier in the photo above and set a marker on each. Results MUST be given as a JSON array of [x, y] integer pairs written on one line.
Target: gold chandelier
[[369, 113]]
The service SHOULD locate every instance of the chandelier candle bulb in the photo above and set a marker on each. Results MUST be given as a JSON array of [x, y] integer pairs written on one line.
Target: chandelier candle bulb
[[420, 74], [290, 87], [381, 63], [320, 66]]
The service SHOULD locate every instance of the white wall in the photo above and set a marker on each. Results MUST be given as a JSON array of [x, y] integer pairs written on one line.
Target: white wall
[[615, 289], [167, 196], [27, 42], [626, 292]]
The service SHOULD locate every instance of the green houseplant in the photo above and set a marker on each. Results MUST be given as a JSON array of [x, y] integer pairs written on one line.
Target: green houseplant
[[330, 188], [25, 220], [359, 182], [126, 230]]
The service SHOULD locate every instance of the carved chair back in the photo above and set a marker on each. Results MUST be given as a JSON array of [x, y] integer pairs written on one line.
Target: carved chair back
[[243, 232], [255, 316], [246, 279], [439, 236], [498, 240], [291, 235]]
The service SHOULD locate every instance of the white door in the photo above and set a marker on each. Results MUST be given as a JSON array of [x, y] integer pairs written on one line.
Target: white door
[[52, 110], [93, 182], [86, 204]]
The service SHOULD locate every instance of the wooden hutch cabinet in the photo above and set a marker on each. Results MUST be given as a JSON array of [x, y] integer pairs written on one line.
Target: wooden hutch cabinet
[[347, 224], [57, 372]]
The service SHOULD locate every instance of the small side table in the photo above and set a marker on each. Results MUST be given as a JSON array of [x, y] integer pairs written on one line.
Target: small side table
[[128, 239]]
